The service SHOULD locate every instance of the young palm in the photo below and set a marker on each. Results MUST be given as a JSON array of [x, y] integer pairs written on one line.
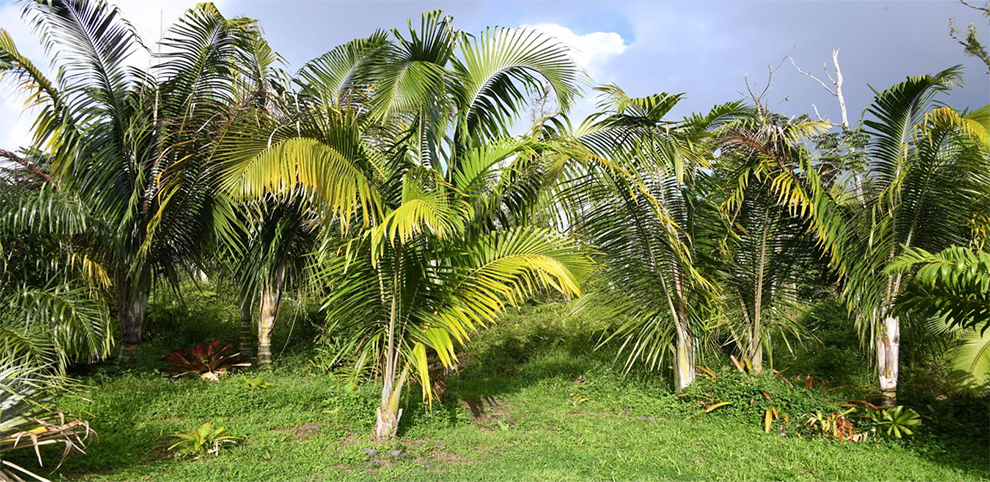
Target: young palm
[[766, 244], [649, 216], [402, 141], [952, 290]]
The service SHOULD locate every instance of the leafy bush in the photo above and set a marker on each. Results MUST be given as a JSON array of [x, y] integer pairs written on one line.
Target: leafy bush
[[351, 405], [191, 313], [205, 440], [752, 396], [209, 362], [834, 353], [528, 331]]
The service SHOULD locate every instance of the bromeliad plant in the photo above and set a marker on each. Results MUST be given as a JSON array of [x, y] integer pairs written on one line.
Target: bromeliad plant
[[205, 440], [209, 362], [897, 421]]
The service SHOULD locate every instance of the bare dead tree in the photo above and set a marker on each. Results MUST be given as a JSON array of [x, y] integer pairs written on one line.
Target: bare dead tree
[[541, 104], [759, 95], [835, 89]]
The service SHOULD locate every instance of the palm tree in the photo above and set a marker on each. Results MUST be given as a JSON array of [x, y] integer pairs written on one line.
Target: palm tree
[[134, 144], [402, 143], [651, 219], [926, 180], [766, 244], [282, 234], [53, 283], [274, 233], [767, 247]]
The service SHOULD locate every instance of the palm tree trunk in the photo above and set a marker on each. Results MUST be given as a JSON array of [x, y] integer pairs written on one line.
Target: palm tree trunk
[[132, 303], [271, 300], [888, 345], [684, 359], [756, 329], [247, 330], [757, 358], [389, 413], [754, 345]]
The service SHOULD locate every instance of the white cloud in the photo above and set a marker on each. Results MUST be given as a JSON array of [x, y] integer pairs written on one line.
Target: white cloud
[[149, 20], [592, 51]]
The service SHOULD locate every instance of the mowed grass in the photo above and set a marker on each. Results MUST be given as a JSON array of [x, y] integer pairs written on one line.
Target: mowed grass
[[514, 412]]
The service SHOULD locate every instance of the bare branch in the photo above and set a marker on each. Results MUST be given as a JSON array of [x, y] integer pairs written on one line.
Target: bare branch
[[824, 86], [24, 162], [985, 10], [759, 99], [819, 116], [825, 69], [838, 89]]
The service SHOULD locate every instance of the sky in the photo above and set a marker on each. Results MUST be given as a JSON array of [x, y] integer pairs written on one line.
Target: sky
[[703, 49]]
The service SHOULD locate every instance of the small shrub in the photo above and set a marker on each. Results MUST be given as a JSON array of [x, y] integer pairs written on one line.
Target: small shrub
[[192, 313], [835, 425], [352, 405], [579, 398], [209, 362], [751, 397], [205, 440]]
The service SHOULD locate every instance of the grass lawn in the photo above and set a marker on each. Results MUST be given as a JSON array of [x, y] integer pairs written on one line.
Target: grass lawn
[[514, 412]]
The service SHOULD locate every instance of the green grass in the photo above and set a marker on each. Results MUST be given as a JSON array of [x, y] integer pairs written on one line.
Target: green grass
[[632, 427]]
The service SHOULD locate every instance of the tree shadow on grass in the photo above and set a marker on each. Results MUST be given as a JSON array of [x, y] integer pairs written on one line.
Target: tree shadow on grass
[[955, 434]]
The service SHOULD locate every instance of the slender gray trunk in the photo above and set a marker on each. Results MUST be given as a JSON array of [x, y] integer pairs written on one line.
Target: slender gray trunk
[[684, 361]]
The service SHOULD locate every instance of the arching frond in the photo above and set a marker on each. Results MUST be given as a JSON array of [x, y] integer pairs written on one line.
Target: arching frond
[[499, 66]]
